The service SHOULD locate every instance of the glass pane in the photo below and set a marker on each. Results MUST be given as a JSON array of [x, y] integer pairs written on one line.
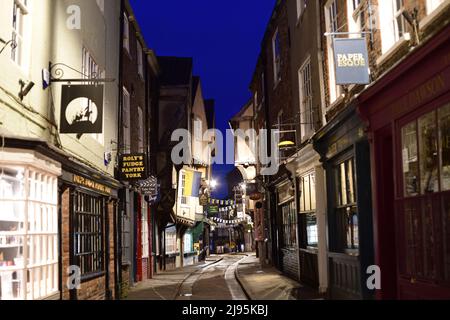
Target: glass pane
[[302, 195], [410, 161], [343, 189], [313, 192], [428, 153], [307, 194], [444, 116], [350, 177], [311, 230]]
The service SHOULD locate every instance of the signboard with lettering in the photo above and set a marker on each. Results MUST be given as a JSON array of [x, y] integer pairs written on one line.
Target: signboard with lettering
[[90, 184], [132, 167], [81, 109], [351, 61]]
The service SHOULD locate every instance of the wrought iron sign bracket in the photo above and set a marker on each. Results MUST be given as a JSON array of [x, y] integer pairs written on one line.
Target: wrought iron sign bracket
[[56, 73]]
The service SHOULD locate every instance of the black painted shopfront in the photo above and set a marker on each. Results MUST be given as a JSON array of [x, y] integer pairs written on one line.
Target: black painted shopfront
[[344, 150]]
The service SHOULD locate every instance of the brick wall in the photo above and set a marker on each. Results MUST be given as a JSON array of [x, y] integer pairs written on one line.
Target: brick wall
[[290, 263]]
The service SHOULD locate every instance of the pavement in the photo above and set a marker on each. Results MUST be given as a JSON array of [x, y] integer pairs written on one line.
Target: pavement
[[222, 277], [166, 285], [267, 283]]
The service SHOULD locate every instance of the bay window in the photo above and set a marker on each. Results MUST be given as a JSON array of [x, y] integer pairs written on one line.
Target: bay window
[[28, 230]]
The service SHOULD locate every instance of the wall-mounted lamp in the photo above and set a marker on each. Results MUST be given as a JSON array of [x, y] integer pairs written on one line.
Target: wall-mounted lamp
[[25, 88]]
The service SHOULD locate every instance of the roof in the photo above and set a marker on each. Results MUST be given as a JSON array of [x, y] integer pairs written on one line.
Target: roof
[[175, 71], [210, 112], [195, 84]]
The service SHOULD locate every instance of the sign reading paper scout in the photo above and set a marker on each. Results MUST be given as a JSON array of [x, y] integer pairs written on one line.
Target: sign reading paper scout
[[351, 61]]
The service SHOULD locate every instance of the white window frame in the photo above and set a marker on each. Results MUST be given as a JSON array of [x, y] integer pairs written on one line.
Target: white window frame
[[144, 230], [306, 103], [354, 15], [170, 240], [390, 31], [34, 207], [90, 69], [20, 29], [433, 5], [276, 58], [126, 121], [126, 32], [140, 59], [183, 199], [332, 25]]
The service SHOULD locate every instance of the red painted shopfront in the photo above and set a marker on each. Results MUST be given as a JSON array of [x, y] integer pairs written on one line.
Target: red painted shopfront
[[408, 116]]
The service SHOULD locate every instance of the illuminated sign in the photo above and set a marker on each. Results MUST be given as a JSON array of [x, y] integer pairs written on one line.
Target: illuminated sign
[[87, 183], [351, 61]]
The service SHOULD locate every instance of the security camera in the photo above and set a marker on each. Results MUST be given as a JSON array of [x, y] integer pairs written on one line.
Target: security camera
[[24, 91]]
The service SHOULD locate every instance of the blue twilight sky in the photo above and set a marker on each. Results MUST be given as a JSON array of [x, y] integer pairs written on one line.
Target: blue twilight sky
[[223, 37]]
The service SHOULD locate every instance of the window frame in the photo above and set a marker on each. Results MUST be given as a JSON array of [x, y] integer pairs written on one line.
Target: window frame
[[276, 46], [306, 99], [20, 52], [92, 247], [140, 58], [126, 32], [311, 211], [345, 207], [289, 225], [126, 121], [332, 25]]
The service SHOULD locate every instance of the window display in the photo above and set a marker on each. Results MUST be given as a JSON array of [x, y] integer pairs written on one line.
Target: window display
[[410, 159], [428, 153], [346, 210], [444, 118], [28, 233]]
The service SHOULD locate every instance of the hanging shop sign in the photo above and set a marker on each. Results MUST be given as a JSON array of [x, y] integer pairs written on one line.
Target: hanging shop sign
[[351, 61], [213, 210], [132, 167], [149, 186], [81, 109]]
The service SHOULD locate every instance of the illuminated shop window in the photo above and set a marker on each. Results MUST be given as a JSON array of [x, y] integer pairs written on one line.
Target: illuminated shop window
[[28, 233]]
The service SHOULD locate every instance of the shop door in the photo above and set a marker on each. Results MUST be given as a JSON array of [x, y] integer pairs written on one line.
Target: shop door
[[385, 217]]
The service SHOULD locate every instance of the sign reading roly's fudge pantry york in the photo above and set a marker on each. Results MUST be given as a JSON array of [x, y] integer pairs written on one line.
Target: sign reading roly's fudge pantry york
[[132, 167]]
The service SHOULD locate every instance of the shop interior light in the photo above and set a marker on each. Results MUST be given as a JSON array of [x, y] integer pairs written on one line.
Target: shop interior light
[[285, 144]]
